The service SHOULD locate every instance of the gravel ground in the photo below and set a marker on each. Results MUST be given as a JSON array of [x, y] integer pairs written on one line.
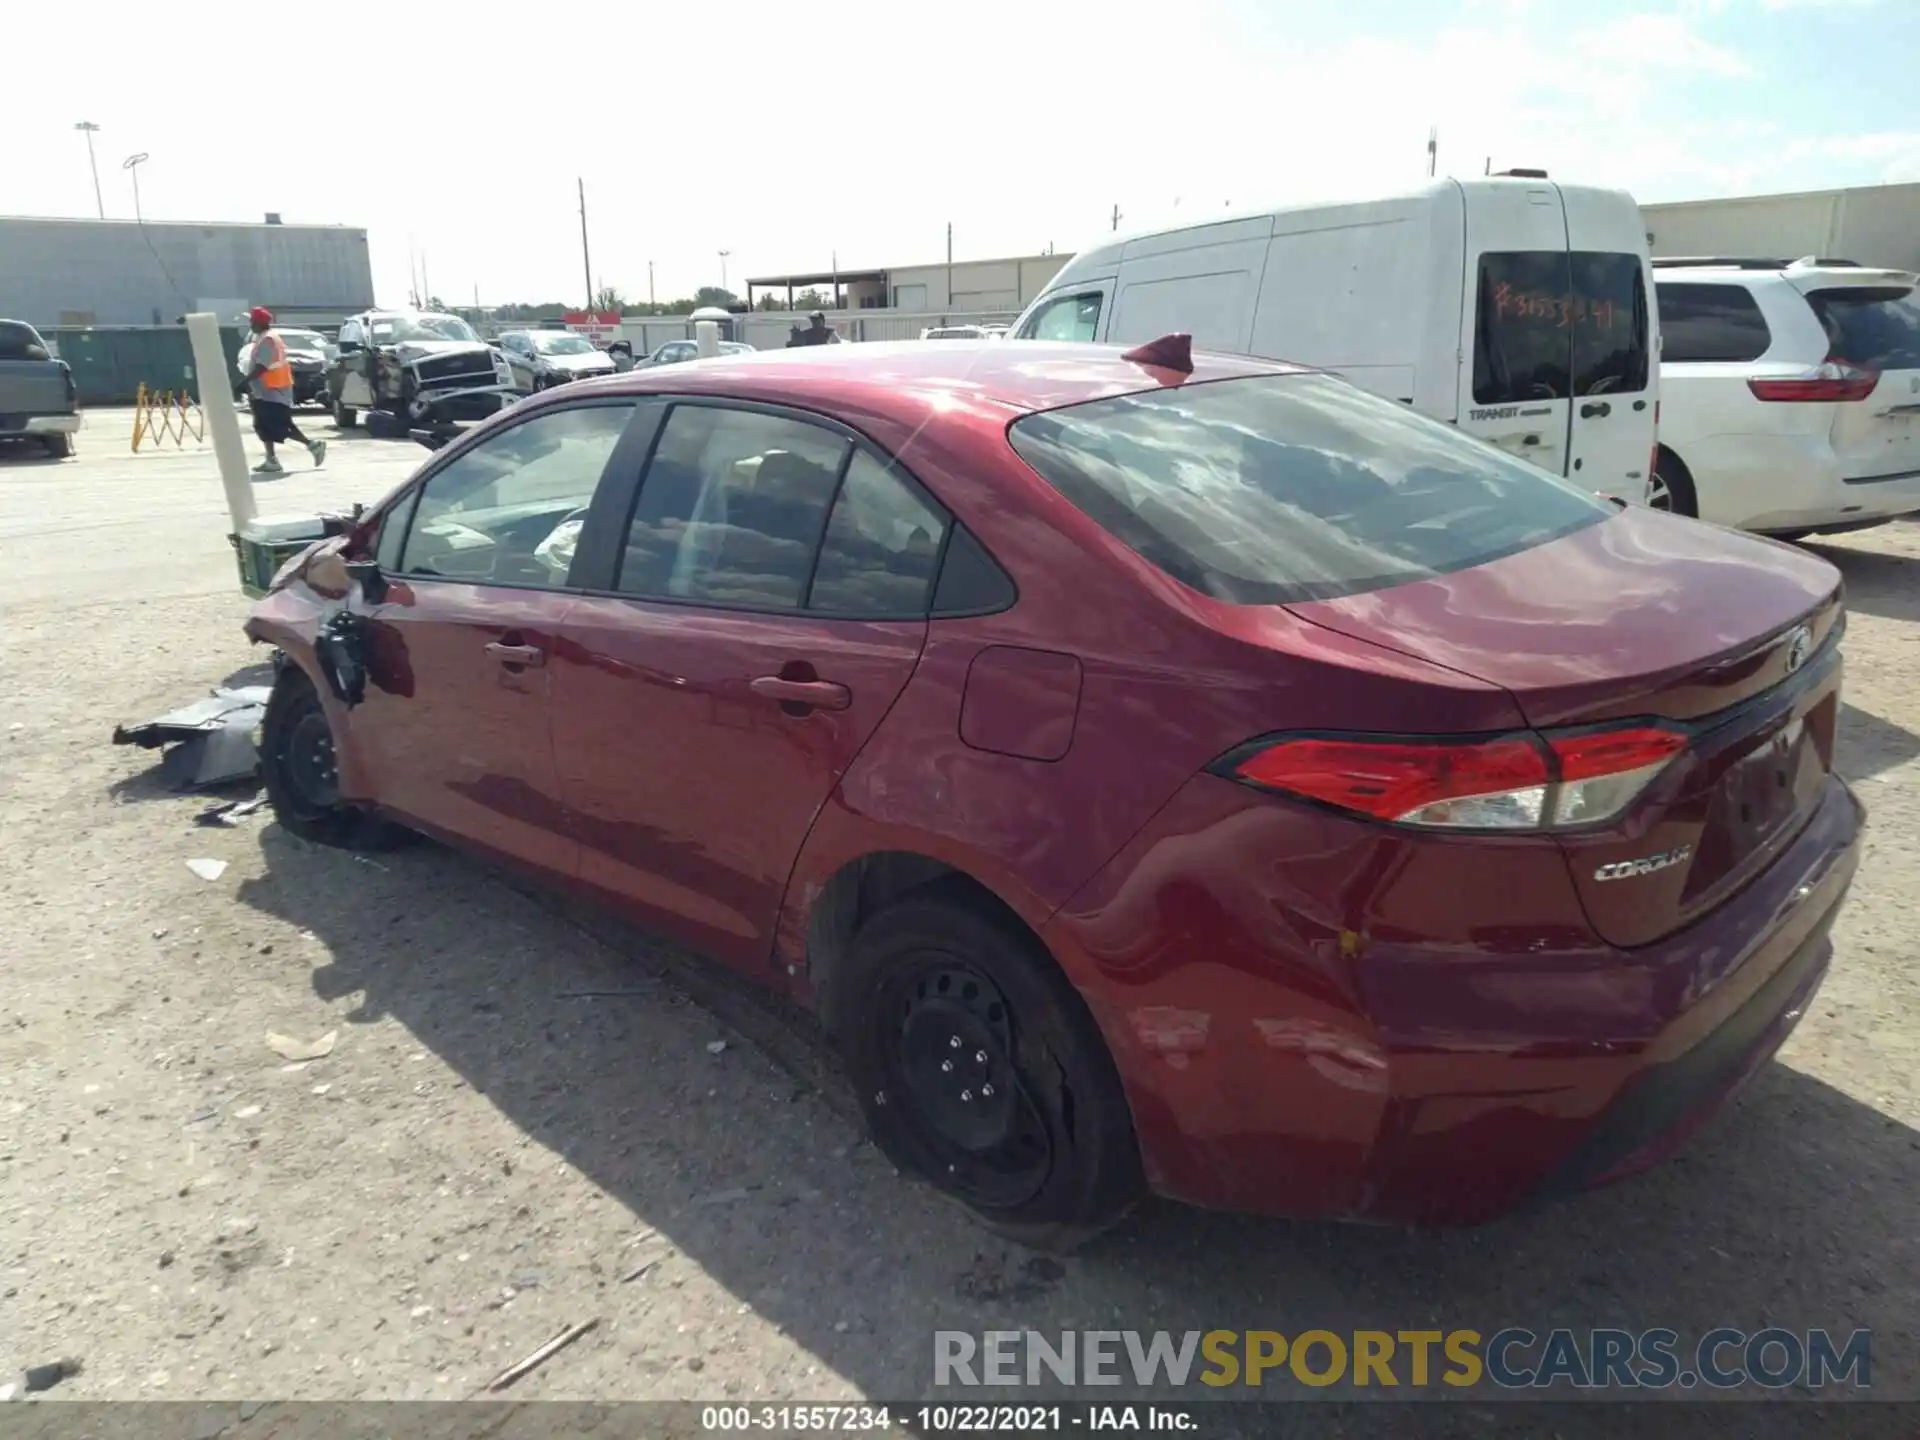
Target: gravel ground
[[523, 1105]]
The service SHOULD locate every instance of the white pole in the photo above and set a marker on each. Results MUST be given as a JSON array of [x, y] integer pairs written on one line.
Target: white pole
[[706, 338], [216, 403]]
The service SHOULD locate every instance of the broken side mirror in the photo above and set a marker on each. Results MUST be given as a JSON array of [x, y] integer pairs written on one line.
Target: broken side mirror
[[373, 584]]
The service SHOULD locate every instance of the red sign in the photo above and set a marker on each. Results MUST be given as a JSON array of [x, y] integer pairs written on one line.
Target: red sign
[[599, 326]]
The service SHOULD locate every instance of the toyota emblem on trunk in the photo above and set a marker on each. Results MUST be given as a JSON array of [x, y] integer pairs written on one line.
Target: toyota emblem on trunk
[[1798, 646]]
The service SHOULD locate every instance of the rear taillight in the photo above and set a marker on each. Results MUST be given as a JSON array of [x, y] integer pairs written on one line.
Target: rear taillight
[[1512, 783], [1836, 380]]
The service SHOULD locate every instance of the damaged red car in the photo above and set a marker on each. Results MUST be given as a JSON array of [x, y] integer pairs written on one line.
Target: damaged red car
[[1161, 772]]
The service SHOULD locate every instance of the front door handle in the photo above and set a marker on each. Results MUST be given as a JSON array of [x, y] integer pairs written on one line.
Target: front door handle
[[532, 656], [1594, 408], [813, 694]]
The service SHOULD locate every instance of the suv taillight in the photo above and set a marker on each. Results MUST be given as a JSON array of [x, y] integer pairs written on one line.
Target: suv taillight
[[1833, 381], [1508, 783]]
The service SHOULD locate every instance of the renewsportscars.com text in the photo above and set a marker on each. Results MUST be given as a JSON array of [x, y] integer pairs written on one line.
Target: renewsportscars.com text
[[1514, 1358]]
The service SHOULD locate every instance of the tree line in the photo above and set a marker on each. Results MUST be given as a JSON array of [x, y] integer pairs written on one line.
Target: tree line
[[612, 298]]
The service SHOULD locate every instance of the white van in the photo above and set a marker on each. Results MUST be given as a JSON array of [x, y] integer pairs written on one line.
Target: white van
[[1518, 309]]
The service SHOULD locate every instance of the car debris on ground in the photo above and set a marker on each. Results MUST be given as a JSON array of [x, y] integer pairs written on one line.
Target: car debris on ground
[[540, 1357], [207, 869], [211, 739], [287, 1048], [230, 812]]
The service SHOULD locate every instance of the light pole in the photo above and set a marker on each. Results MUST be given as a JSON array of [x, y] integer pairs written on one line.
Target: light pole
[[723, 268], [132, 166], [89, 129]]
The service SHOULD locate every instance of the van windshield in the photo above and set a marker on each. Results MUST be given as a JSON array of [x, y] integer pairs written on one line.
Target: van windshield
[[1550, 324], [1272, 489]]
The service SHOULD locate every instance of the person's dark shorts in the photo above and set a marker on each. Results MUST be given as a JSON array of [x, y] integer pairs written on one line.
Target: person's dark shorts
[[272, 422]]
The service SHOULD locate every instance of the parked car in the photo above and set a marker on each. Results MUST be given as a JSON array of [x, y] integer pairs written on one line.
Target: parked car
[[39, 403], [953, 332], [1514, 307], [409, 368], [540, 358], [1160, 771], [1790, 394], [674, 352], [306, 356]]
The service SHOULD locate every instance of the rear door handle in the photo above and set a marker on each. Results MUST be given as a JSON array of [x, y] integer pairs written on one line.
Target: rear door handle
[[531, 656], [815, 694], [1595, 407]]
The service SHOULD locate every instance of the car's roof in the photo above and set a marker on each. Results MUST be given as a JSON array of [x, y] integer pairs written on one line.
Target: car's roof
[[906, 380]]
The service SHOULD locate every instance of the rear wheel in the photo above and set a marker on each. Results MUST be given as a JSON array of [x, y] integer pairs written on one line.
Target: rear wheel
[[301, 772], [1670, 487], [60, 445], [980, 1069]]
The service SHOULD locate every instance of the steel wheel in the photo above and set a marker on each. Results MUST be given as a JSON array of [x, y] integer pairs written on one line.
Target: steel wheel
[[949, 1053], [1659, 493], [308, 762]]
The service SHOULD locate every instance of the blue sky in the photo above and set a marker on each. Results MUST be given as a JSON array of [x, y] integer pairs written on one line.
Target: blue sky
[[787, 133]]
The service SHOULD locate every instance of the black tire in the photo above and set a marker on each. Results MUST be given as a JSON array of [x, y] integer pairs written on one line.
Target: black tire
[[344, 416], [1676, 480], [296, 765], [1050, 1160], [60, 445]]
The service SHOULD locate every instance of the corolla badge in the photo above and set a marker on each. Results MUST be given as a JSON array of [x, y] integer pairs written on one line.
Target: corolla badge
[[1645, 865], [1799, 646]]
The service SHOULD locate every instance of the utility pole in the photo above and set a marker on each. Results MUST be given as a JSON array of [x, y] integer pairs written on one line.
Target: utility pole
[[426, 288], [1433, 150], [132, 166], [586, 260], [89, 129], [949, 304], [1116, 217], [650, 300], [723, 268]]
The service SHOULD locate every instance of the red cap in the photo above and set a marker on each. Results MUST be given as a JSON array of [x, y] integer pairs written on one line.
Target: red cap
[[260, 315]]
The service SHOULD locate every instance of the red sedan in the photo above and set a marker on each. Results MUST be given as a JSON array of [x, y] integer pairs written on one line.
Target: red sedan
[[1160, 771]]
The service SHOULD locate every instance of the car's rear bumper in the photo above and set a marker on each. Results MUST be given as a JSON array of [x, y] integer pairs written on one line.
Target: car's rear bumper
[[1785, 482], [39, 424], [1287, 1047]]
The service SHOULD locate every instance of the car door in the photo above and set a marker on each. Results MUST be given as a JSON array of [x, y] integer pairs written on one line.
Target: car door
[[1616, 370], [356, 366], [454, 727], [766, 604]]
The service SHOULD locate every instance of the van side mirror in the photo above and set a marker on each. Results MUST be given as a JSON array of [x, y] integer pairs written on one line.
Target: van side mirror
[[372, 583]]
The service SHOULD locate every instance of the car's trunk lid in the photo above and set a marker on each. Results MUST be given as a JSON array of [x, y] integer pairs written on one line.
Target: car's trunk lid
[[34, 387], [1731, 637]]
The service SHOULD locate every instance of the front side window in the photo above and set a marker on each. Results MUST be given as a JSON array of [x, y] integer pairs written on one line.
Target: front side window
[[509, 510], [732, 508], [1711, 323], [1071, 317], [1550, 324], [1273, 489], [1875, 328]]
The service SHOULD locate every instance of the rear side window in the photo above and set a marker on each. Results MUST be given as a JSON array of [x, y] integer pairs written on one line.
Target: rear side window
[[1552, 324], [1711, 323], [1071, 317], [1273, 489], [1876, 329]]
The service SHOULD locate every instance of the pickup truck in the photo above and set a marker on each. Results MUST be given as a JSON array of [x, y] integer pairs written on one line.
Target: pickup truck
[[38, 402]]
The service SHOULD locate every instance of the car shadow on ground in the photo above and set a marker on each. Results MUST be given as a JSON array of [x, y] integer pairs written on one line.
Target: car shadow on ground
[[1870, 746], [1792, 1209], [1878, 582]]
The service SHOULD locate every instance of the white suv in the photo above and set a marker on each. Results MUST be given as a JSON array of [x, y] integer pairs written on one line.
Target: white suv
[[1789, 394]]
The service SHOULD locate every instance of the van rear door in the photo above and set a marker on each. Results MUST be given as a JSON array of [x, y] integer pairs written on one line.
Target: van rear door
[[1518, 357], [1558, 328], [1873, 342]]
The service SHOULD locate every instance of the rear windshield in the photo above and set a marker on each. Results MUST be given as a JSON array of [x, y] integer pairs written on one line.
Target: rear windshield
[[1549, 324], [20, 341], [1876, 329], [1281, 488]]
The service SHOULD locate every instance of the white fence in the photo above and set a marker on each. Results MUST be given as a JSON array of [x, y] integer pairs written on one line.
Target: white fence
[[770, 329]]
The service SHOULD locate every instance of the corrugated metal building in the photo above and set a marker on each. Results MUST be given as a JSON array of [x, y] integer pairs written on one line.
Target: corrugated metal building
[[1874, 225], [120, 272]]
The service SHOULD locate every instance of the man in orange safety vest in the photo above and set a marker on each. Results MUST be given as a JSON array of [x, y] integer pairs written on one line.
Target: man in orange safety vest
[[270, 394]]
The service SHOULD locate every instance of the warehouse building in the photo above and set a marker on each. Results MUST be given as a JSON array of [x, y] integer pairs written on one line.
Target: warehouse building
[[973, 287], [71, 273], [1877, 225]]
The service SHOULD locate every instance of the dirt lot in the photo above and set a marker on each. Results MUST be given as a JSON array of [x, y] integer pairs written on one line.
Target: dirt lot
[[496, 1140]]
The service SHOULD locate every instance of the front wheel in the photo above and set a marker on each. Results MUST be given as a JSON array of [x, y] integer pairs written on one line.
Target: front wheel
[[980, 1069], [301, 772]]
